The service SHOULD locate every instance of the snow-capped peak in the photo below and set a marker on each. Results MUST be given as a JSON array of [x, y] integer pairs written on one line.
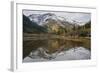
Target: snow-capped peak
[[42, 18], [34, 17]]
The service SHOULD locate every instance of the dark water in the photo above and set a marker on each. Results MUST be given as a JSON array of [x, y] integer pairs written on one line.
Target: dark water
[[55, 50]]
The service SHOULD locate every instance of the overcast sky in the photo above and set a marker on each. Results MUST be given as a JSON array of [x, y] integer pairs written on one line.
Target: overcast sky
[[76, 16]]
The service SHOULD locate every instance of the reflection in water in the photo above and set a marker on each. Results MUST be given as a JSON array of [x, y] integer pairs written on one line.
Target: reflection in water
[[55, 49]]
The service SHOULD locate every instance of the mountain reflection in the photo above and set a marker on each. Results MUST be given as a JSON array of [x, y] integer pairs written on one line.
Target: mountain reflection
[[55, 49]]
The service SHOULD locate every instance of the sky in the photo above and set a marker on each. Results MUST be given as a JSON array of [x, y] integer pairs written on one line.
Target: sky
[[76, 16]]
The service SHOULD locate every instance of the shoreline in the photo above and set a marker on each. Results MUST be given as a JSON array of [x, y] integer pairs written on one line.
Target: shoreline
[[53, 36]]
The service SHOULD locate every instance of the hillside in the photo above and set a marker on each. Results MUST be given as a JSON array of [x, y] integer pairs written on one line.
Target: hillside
[[32, 27]]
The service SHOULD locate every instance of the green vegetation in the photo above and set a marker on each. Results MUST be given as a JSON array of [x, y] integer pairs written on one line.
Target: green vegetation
[[85, 30]]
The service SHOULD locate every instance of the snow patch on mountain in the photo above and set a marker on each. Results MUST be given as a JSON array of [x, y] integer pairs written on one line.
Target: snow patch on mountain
[[43, 18]]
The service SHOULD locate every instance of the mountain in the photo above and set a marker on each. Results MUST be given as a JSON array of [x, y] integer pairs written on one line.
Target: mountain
[[48, 23], [34, 18], [32, 27], [51, 22], [41, 19]]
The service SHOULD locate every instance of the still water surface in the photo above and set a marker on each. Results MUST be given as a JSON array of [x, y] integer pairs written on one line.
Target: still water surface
[[55, 50]]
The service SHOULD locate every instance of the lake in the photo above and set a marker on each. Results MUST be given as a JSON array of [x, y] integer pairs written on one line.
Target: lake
[[38, 50]]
